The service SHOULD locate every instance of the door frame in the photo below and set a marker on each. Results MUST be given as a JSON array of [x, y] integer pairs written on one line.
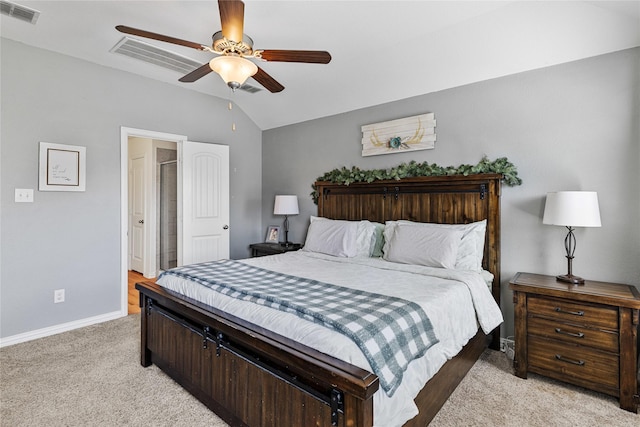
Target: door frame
[[125, 133]]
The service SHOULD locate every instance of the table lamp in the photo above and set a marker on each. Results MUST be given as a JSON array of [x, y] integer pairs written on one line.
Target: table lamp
[[286, 205], [572, 209]]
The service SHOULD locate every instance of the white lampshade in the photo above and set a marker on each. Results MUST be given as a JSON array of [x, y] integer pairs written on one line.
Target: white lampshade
[[286, 205], [572, 209], [234, 70]]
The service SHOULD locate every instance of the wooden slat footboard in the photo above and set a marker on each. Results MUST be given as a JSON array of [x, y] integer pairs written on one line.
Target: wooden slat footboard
[[247, 375]]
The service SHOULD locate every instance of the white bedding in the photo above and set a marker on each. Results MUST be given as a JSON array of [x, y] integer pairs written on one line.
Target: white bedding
[[447, 296]]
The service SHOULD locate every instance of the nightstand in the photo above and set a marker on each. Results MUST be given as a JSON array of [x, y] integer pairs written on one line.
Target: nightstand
[[585, 335], [262, 249]]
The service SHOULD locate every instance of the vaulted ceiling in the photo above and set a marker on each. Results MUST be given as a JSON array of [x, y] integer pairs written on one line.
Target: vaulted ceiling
[[381, 50]]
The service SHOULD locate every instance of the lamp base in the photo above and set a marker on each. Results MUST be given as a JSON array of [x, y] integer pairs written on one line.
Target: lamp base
[[570, 278]]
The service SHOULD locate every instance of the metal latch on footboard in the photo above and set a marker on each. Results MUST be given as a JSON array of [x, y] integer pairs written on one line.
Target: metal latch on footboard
[[206, 331], [337, 405], [219, 343], [149, 304]]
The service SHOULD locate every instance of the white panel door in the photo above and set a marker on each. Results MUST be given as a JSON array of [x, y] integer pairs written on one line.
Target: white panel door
[[137, 200], [205, 203]]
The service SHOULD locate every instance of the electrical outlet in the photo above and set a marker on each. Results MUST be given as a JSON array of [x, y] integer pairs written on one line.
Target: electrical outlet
[[58, 296], [507, 346], [505, 343]]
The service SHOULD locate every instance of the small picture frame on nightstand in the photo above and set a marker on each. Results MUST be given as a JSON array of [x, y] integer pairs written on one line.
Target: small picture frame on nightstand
[[273, 234]]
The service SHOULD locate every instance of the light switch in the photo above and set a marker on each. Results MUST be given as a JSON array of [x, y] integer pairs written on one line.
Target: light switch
[[24, 195]]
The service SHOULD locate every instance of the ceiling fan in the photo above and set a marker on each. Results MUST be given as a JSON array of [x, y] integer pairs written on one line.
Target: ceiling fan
[[233, 47]]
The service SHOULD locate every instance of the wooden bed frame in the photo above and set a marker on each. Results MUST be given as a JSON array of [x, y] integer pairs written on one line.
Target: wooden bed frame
[[250, 376]]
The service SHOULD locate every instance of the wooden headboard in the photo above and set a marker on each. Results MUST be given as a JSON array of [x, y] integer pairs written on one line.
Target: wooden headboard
[[452, 199]]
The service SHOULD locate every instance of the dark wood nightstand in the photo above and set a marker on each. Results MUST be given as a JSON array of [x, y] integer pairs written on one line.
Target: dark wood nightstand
[[262, 249], [585, 335]]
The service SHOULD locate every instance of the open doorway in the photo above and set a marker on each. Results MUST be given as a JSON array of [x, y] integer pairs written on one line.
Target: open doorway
[[152, 211], [152, 205], [202, 172], [143, 192]]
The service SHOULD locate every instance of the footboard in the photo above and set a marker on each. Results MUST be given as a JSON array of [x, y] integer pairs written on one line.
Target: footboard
[[247, 375]]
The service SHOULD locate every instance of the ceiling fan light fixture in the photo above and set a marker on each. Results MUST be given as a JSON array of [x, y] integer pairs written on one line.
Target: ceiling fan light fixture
[[234, 70]]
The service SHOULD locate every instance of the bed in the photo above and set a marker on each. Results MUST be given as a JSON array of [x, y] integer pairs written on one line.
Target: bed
[[252, 376]]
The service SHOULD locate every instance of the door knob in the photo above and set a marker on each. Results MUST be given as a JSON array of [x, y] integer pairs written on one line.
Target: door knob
[[225, 227], [141, 221]]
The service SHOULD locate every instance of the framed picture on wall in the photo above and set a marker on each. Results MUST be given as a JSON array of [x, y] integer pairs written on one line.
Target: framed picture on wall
[[273, 234], [62, 167]]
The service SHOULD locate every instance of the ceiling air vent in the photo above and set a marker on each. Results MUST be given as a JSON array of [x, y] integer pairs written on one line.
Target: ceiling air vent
[[154, 55], [249, 88], [19, 12]]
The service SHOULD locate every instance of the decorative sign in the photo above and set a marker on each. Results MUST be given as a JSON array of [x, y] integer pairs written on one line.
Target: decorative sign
[[397, 136], [62, 167]]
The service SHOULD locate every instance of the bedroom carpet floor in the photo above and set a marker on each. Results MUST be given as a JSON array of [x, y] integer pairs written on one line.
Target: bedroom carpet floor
[[92, 377]]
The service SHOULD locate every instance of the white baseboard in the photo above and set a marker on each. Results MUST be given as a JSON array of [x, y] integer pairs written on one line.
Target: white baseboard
[[64, 327]]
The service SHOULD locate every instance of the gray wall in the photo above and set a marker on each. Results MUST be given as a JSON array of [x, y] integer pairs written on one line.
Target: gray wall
[[573, 126], [568, 127], [72, 240]]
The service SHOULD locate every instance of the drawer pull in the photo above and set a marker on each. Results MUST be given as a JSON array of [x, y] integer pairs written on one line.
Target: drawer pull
[[575, 313], [573, 362], [571, 334]]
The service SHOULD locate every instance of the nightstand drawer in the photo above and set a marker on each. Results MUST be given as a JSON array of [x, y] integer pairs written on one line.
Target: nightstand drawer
[[604, 340], [568, 362], [577, 313]]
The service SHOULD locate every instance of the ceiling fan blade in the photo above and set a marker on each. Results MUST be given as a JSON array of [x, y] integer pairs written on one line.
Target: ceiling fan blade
[[232, 19], [196, 74], [156, 36], [267, 81], [308, 56]]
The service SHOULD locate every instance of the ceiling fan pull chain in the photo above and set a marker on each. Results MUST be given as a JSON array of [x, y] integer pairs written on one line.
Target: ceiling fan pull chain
[[233, 123]]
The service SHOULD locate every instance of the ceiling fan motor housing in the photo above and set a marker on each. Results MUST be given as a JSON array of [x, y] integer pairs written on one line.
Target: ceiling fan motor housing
[[225, 46]]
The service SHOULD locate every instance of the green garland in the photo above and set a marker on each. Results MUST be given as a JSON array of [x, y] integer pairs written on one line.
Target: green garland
[[414, 169]]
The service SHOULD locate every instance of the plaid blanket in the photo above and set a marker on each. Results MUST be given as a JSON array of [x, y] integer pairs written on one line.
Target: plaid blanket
[[390, 331]]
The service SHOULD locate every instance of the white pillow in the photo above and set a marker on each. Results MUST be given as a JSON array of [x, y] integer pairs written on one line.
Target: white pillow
[[365, 235], [429, 246], [331, 237], [471, 250], [387, 234]]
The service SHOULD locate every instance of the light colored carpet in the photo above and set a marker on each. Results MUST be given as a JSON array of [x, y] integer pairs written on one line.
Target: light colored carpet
[[490, 395], [92, 377]]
